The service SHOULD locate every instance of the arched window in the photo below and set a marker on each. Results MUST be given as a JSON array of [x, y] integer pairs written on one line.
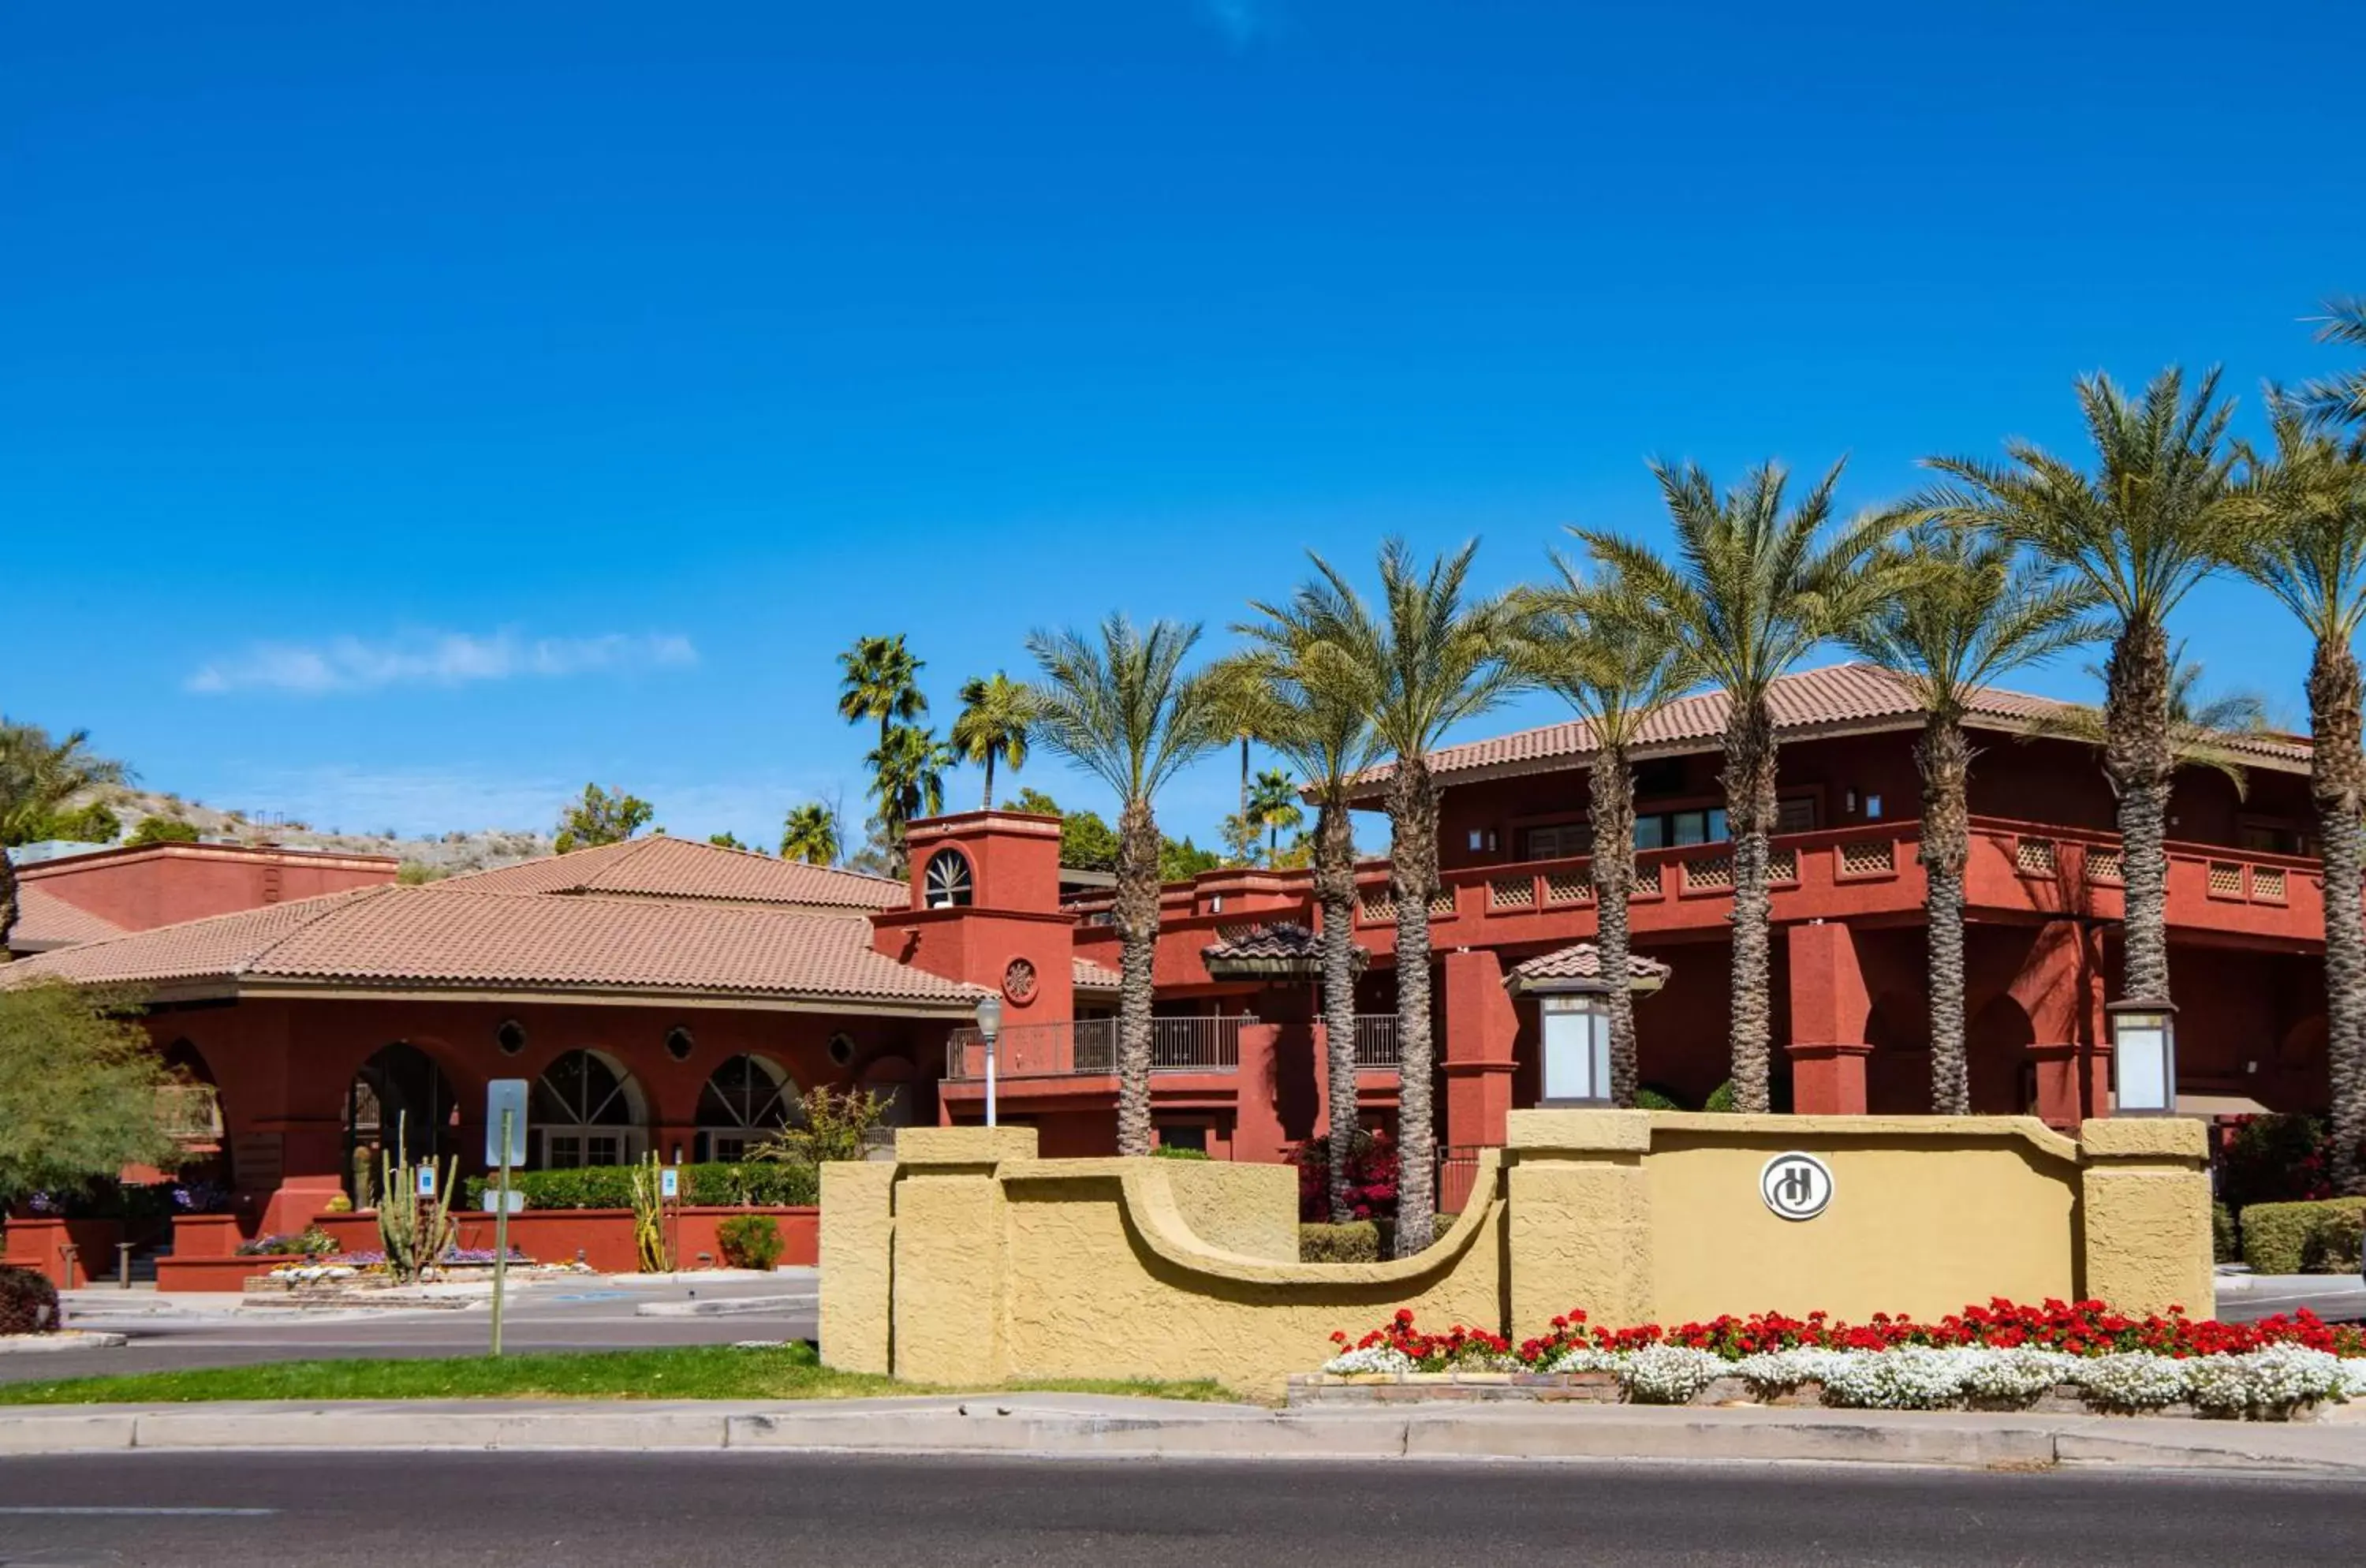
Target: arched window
[[400, 1103], [586, 1110], [946, 885], [748, 1100]]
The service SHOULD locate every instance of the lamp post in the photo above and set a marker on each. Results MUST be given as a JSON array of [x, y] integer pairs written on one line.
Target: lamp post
[[989, 1025], [2144, 1056], [1577, 1046]]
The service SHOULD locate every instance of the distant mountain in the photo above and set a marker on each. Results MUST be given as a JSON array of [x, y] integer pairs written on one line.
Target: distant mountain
[[423, 859]]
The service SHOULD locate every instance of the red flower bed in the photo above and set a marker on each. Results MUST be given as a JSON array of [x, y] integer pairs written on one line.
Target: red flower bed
[[2078, 1328]]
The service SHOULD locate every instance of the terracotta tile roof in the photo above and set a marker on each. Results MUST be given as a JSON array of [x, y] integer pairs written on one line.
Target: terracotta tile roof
[[1583, 962], [44, 922], [1276, 940], [1092, 976], [683, 868], [427, 937], [1841, 696]]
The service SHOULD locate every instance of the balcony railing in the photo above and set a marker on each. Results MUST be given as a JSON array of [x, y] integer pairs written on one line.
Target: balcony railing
[[1089, 1047], [1376, 1040]]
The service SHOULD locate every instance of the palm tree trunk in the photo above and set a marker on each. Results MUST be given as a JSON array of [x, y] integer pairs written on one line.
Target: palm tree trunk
[[988, 802], [1413, 878], [7, 901], [2136, 755], [2337, 768], [1614, 877], [1750, 816], [1946, 761], [1244, 776], [1137, 927], [1334, 888]]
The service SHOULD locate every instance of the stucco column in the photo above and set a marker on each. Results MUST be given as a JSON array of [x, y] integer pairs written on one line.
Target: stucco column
[[1481, 1030], [1830, 1010], [948, 1310], [1580, 1217], [1257, 1132], [858, 1234], [2144, 1213], [2060, 990]]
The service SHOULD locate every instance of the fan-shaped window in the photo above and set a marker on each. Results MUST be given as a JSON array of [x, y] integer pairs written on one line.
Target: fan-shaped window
[[946, 885], [747, 1102], [587, 1111]]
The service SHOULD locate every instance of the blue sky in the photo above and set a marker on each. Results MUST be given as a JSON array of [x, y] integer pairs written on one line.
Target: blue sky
[[408, 414]]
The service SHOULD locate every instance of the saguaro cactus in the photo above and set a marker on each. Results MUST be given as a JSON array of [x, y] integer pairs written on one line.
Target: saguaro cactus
[[414, 1232]]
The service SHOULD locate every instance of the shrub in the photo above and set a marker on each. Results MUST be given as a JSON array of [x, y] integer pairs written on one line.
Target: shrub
[[310, 1242], [2225, 1241], [716, 1185], [1176, 1151], [2303, 1239], [28, 1303], [1371, 1178], [1653, 1099], [2276, 1159], [1721, 1098], [1355, 1242], [749, 1241]]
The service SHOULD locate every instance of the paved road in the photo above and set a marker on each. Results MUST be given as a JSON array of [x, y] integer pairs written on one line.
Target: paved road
[[2334, 1297], [596, 1316], [517, 1510]]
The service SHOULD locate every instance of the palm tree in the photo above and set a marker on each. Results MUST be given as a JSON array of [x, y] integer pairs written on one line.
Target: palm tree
[[2198, 729], [1427, 656], [2156, 517], [908, 781], [1319, 704], [1753, 590], [1960, 617], [1120, 708], [1241, 707], [880, 680], [993, 725], [1273, 805], [810, 834], [2307, 547], [2340, 399], [38, 775], [1590, 643]]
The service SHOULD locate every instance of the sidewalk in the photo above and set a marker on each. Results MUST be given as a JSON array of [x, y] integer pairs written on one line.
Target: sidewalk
[[1077, 1426]]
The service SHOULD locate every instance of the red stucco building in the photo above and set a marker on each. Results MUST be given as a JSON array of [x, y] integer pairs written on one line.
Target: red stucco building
[[670, 996]]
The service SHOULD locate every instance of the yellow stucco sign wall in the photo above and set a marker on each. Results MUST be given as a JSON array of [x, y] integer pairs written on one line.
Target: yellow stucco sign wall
[[971, 1260]]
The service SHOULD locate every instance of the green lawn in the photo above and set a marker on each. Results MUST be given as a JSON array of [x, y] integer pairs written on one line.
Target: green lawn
[[790, 1371]]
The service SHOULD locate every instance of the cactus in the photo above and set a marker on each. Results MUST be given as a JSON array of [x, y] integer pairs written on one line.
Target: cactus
[[648, 1212], [414, 1232]]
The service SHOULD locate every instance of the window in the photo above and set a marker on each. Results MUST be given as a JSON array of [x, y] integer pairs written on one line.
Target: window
[[586, 1111], [1184, 1135], [946, 885], [745, 1104], [1564, 842], [1797, 814], [1660, 830]]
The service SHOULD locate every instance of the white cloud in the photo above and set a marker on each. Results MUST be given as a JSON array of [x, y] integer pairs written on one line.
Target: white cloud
[[436, 658], [1243, 22]]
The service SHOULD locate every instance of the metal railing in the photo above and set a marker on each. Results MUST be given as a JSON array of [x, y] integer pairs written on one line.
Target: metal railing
[[1089, 1046], [1376, 1040], [1457, 1172]]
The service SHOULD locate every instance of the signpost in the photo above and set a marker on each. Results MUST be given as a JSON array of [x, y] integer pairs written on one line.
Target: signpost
[[504, 1146]]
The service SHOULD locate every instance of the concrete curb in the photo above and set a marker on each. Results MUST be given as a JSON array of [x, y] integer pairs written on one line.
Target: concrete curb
[[60, 1339], [727, 1306], [1060, 1426]]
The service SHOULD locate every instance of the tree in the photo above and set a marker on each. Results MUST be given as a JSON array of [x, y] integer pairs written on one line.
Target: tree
[[2198, 727], [1753, 589], [726, 841], [993, 724], [1961, 617], [1120, 706], [1591, 643], [2340, 399], [601, 818], [1241, 707], [908, 781], [37, 777], [95, 822], [879, 679], [163, 831], [1273, 805], [1319, 717], [2307, 544], [78, 1089], [1180, 860], [1427, 657], [810, 834], [2156, 517]]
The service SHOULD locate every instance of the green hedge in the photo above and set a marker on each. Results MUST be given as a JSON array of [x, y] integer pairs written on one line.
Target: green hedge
[[2225, 1241], [762, 1184], [2303, 1239], [1358, 1241]]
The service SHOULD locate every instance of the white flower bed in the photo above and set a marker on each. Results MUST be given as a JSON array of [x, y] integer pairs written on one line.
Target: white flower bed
[[2269, 1382], [313, 1273]]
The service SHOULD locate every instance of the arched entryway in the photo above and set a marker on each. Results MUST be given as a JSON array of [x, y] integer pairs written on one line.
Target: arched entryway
[[746, 1102], [398, 1102], [586, 1110], [891, 1078]]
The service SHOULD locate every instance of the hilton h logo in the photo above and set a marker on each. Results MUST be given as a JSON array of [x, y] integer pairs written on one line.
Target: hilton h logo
[[1796, 1186]]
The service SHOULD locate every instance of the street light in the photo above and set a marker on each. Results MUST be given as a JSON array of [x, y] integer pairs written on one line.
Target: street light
[[989, 1025], [2144, 1056], [1577, 1048]]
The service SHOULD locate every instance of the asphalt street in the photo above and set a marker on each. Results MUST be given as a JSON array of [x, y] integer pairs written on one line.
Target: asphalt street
[[596, 1315], [511, 1509]]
